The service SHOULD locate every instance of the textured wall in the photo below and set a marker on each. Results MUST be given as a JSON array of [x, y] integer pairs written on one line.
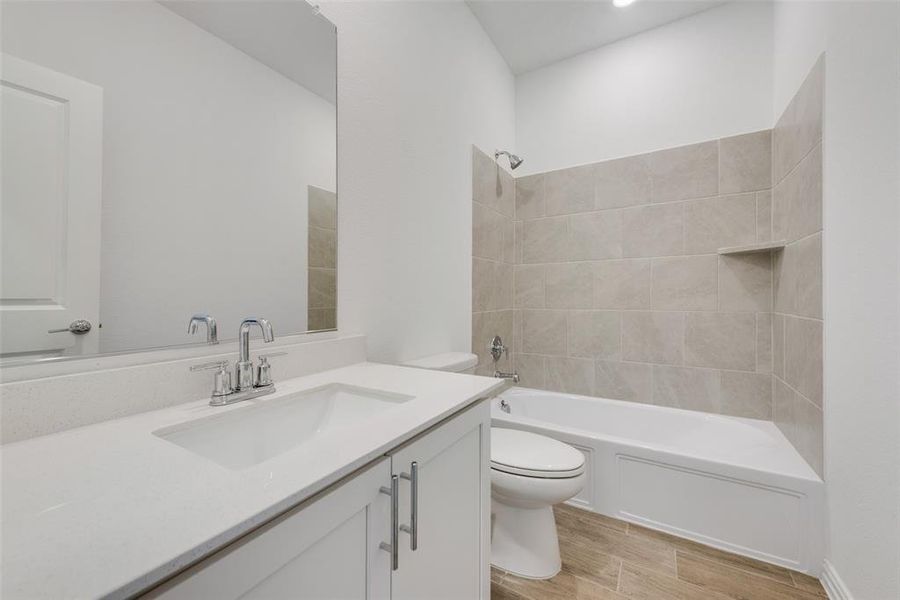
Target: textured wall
[[797, 219], [619, 291]]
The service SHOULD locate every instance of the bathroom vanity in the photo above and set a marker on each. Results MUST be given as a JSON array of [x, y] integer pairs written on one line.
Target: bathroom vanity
[[381, 490]]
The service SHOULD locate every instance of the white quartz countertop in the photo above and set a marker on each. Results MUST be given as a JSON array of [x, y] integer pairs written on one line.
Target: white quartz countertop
[[110, 509]]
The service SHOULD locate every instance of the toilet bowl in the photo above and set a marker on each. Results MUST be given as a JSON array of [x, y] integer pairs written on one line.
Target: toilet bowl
[[529, 474]]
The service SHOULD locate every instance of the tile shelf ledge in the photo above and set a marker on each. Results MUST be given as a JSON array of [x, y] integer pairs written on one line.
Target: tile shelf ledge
[[754, 248]]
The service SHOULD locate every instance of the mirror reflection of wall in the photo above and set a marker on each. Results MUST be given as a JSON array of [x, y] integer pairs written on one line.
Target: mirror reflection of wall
[[322, 259], [157, 159]]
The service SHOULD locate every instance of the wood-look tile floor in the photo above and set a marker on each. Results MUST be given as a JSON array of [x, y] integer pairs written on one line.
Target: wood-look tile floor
[[608, 559]]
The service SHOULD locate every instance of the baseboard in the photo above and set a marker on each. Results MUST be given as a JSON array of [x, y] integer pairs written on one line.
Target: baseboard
[[833, 584]]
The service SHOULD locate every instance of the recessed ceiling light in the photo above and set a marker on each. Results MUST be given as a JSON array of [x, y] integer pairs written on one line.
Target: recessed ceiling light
[[622, 3]]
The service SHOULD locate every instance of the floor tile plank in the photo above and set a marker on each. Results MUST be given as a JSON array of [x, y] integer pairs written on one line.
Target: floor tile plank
[[744, 563], [735, 583]]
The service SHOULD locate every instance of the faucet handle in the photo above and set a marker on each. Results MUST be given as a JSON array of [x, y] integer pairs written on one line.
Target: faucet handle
[[219, 364], [222, 385]]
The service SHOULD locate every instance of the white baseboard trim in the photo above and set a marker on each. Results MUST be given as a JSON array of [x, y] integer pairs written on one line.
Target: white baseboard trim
[[833, 584]]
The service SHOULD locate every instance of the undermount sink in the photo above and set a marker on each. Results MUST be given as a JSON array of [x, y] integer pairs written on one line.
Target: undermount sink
[[248, 436]]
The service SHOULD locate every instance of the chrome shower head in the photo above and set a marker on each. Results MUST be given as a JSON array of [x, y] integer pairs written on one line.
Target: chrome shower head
[[514, 161]]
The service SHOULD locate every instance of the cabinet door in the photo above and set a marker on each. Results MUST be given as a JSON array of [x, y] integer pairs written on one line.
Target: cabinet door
[[452, 559], [326, 548]]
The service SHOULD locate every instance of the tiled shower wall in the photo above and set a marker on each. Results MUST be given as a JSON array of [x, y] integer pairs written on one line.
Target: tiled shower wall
[[493, 258], [797, 219], [619, 290], [322, 259]]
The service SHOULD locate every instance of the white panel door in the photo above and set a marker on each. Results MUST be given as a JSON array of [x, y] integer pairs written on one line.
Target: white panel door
[[50, 191], [326, 549], [452, 558]]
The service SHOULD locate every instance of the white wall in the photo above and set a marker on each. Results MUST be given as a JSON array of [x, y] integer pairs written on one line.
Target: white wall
[[419, 83], [700, 78], [207, 155], [861, 157]]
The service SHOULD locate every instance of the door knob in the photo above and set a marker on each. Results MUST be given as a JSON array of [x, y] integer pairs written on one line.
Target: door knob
[[78, 327]]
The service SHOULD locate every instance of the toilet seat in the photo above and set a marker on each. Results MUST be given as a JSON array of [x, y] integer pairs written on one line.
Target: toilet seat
[[532, 455]]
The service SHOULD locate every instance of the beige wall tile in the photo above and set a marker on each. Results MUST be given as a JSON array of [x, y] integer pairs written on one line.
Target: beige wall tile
[[322, 248], [778, 345], [493, 186], [745, 282], [530, 197], [544, 332], [653, 337], [623, 381], [764, 216], [622, 284], [798, 278], [492, 285], [746, 394], [545, 240], [653, 231], [321, 318], [322, 288], [322, 208], [529, 286], [509, 241], [595, 235], [800, 126], [517, 332], [720, 340], [745, 162], [569, 375], [530, 368], [485, 325], [764, 342], [595, 334], [684, 283], [797, 199], [680, 387], [803, 357], [622, 182], [801, 423], [569, 191], [569, 285], [714, 223], [487, 232], [685, 172], [520, 233]]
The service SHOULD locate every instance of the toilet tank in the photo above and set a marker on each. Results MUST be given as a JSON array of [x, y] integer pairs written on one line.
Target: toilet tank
[[455, 362]]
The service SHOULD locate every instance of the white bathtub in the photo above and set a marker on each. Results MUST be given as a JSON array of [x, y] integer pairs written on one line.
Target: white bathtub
[[733, 483]]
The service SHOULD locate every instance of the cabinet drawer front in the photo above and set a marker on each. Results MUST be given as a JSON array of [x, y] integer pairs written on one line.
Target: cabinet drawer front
[[324, 548]]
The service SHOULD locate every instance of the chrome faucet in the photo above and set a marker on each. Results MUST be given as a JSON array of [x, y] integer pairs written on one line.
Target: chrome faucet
[[243, 368], [497, 350], [247, 384], [212, 332]]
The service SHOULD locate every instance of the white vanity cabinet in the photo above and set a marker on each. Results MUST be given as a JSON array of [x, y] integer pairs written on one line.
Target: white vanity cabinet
[[336, 545]]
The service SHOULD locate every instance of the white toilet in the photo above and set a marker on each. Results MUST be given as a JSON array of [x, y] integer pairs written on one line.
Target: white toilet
[[529, 474]]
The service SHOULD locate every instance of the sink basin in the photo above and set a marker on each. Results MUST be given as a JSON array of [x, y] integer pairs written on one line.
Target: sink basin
[[248, 436]]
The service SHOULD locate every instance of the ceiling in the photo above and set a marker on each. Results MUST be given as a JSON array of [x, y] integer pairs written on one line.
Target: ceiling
[[532, 34], [286, 36]]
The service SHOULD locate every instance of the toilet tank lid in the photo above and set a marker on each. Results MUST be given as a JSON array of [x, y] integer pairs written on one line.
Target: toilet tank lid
[[448, 361]]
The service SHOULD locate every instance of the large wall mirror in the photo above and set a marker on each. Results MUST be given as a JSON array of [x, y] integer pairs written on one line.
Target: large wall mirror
[[161, 160]]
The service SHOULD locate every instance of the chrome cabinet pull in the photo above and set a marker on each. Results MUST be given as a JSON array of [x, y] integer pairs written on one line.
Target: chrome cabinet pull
[[413, 528], [78, 327], [393, 547]]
